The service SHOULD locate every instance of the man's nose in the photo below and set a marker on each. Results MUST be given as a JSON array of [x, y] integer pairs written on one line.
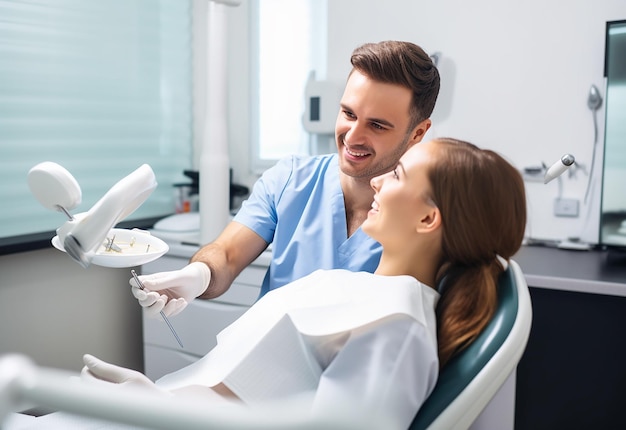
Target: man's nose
[[355, 133]]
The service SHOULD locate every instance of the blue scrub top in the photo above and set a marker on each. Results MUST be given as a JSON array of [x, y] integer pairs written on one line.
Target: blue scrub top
[[298, 207]]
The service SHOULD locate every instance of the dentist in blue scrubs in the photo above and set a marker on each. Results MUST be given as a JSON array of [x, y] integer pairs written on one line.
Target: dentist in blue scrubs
[[310, 208]]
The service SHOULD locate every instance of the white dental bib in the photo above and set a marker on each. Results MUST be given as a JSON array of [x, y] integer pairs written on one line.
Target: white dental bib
[[282, 344]]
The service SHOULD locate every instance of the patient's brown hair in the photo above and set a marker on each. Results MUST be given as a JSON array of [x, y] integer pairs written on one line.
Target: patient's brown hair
[[482, 202]]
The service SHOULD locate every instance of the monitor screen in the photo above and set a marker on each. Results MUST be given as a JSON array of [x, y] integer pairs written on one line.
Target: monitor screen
[[613, 204]]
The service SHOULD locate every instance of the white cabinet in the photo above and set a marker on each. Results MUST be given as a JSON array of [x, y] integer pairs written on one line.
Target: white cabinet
[[199, 323]]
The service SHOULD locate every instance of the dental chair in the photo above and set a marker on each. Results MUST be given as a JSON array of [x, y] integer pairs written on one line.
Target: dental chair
[[470, 380], [464, 388]]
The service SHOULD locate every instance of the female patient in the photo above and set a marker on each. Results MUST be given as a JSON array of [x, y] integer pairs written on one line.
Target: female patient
[[373, 343]]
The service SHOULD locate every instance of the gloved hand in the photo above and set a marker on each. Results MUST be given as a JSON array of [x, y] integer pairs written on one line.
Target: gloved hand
[[170, 292], [98, 371]]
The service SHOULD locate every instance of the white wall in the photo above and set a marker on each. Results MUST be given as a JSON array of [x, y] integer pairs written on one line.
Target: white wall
[[515, 78]]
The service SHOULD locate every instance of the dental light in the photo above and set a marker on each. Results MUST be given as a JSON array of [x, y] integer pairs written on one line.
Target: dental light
[[84, 235]]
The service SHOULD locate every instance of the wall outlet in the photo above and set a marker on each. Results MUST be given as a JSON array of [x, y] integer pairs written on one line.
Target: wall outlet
[[566, 207]]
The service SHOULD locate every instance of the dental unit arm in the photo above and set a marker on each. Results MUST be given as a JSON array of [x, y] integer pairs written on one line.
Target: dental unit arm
[[82, 236], [24, 385], [84, 233]]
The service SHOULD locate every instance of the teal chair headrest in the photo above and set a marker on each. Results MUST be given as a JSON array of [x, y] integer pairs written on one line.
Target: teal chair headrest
[[460, 371]]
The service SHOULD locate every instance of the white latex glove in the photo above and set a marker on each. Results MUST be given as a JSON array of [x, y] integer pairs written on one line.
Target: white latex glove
[[98, 371], [170, 292]]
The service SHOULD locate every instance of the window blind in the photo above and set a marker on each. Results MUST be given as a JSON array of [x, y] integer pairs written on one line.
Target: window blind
[[99, 87]]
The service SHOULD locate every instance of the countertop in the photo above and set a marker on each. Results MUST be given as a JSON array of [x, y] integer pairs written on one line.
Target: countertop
[[595, 271]]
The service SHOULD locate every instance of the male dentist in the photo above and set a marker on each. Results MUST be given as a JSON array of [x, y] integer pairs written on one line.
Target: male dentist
[[310, 208]]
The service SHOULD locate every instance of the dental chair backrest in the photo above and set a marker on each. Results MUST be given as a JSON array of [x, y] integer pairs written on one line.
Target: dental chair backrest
[[471, 379]]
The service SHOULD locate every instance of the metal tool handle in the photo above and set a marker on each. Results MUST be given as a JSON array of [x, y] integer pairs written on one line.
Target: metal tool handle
[[167, 321]]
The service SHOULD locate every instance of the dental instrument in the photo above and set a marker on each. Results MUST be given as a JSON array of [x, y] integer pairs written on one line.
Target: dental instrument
[[167, 321], [558, 168], [122, 199], [594, 101], [85, 237], [111, 245]]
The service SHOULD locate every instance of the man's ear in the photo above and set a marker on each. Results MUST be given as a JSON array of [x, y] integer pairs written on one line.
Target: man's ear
[[430, 221], [420, 131]]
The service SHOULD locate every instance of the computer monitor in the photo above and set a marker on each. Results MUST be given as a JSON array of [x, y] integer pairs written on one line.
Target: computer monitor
[[613, 200]]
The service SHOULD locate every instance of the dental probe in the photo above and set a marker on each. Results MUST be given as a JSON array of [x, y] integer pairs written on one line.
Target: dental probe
[[167, 321]]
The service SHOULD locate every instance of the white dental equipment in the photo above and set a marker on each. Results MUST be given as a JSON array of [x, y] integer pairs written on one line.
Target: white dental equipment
[[167, 321], [89, 237], [54, 187], [321, 105], [594, 101], [561, 165], [23, 384]]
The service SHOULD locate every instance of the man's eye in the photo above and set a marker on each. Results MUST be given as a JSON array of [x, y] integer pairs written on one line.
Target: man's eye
[[349, 114], [377, 126]]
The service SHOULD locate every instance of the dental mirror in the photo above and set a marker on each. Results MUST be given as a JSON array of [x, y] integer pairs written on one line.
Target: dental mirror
[[54, 187]]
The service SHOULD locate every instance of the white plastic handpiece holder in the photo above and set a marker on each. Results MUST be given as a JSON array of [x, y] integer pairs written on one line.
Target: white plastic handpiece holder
[[82, 236]]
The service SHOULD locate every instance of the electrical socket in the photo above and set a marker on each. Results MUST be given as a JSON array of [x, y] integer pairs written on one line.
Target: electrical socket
[[566, 207]]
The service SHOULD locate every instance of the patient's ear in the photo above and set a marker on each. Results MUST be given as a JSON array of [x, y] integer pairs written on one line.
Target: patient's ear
[[430, 221]]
